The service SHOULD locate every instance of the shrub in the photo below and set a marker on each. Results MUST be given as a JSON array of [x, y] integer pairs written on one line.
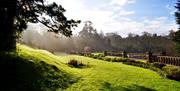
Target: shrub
[[90, 55], [75, 63], [81, 53], [105, 53], [130, 60], [113, 59], [97, 56], [173, 72], [107, 59], [119, 59], [158, 65], [136, 63], [145, 65]]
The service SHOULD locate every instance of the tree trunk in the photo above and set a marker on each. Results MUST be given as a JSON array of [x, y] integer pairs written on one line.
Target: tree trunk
[[7, 32]]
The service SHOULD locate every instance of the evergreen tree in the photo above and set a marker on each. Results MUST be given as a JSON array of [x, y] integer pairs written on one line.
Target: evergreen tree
[[176, 37]]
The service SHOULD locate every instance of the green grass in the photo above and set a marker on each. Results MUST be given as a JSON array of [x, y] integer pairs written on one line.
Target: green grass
[[140, 60], [102, 75], [98, 53], [118, 77], [32, 70]]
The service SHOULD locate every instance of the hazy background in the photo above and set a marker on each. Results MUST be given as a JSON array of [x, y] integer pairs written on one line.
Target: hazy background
[[130, 25]]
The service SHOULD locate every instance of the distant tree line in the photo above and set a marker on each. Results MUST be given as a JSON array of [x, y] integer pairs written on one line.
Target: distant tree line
[[89, 37]]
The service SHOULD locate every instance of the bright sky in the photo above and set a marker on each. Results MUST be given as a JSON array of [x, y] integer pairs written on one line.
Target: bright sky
[[123, 16]]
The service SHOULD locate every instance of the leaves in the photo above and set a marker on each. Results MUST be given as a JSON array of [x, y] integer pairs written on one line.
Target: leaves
[[176, 37], [50, 15]]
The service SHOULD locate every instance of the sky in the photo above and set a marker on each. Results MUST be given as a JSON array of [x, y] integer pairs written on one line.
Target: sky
[[123, 16]]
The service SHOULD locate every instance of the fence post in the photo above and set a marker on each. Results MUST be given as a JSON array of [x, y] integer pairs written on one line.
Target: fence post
[[150, 57], [125, 54], [105, 53], [163, 53]]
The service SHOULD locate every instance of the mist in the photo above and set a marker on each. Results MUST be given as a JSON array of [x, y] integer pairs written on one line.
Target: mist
[[89, 37]]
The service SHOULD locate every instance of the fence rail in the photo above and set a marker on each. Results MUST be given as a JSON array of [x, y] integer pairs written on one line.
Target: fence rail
[[120, 54], [137, 55], [166, 59]]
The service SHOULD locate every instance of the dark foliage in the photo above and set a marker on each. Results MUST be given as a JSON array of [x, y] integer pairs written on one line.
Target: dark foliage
[[96, 56], [103, 57], [15, 14], [107, 59], [176, 36], [158, 65], [105, 53], [173, 72], [115, 59], [75, 63], [34, 11]]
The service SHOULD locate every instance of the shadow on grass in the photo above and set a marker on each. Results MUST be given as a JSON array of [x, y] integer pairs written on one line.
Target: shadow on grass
[[107, 86], [20, 74]]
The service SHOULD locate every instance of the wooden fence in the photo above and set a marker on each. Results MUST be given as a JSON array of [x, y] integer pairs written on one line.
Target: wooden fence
[[164, 59], [119, 54], [137, 55]]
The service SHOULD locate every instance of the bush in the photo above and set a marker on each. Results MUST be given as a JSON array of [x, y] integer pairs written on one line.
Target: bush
[[136, 63], [75, 63], [173, 72], [158, 65], [107, 59], [96, 56], [99, 56], [119, 59], [105, 53], [90, 55], [113, 59], [133, 61], [145, 65]]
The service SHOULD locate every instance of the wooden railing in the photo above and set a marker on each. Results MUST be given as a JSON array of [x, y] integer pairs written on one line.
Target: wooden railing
[[167, 60], [137, 55], [120, 54]]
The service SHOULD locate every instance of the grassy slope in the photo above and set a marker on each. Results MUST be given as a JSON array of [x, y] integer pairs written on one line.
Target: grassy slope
[[105, 76], [27, 70]]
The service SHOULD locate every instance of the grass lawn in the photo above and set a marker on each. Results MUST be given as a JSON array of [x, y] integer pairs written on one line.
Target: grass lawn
[[104, 76]]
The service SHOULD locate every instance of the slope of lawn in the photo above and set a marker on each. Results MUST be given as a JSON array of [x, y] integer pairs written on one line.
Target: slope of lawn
[[101, 75], [29, 70], [107, 76]]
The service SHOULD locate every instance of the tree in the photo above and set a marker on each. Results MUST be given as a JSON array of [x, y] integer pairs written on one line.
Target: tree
[[88, 30], [15, 14], [171, 34], [176, 37], [131, 35], [146, 34]]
